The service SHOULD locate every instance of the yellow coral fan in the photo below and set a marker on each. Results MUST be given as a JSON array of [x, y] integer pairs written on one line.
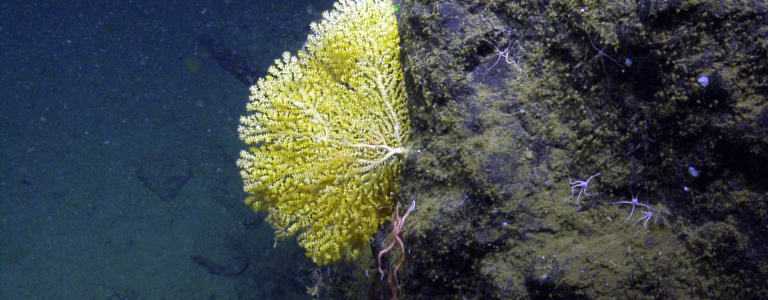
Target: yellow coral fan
[[328, 131]]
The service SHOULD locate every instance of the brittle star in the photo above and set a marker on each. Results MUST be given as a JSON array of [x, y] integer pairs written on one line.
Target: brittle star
[[648, 216], [398, 224], [600, 54], [502, 54], [645, 137], [633, 203], [583, 184]]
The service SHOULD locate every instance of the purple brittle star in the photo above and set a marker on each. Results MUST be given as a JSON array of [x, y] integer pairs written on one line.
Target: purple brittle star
[[647, 217], [634, 203], [583, 184]]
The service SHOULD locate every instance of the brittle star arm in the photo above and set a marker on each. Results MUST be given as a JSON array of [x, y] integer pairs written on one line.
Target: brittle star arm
[[647, 217]]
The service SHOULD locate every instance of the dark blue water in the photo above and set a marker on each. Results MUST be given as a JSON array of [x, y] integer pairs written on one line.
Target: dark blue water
[[118, 126]]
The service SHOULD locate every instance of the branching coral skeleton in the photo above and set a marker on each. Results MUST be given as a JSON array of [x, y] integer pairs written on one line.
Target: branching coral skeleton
[[370, 164], [378, 143]]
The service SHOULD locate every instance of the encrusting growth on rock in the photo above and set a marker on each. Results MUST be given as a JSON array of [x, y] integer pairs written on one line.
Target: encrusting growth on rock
[[328, 132]]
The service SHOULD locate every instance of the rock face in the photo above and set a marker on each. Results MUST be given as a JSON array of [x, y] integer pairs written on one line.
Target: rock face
[[507, 98]]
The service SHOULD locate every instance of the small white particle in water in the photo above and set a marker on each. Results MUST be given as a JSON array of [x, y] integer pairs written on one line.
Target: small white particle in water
[[628, 62]]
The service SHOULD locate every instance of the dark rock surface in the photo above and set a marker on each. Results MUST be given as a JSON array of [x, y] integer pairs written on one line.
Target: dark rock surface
[[509, 97]]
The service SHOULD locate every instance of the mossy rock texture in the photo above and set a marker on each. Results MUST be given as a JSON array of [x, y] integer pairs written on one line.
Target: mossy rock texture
[[509, 97]]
